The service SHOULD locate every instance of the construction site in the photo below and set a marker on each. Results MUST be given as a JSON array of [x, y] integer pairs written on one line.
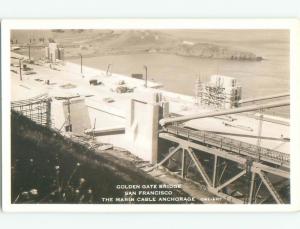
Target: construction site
[[216, 145]]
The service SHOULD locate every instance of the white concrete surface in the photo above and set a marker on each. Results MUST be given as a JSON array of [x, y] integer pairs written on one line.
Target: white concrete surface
[[141, 129]]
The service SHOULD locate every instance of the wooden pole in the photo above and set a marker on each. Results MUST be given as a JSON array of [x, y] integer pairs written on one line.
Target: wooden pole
[[20, 65], [94, 128], [146, 78], [29, 52], [81, 63]]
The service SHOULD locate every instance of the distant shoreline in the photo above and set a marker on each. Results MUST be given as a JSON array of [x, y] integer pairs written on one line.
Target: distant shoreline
[[73, 57], [70, 55]]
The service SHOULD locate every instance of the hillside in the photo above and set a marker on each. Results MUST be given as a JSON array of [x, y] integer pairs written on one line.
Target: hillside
[[48, 167], [117, 42]]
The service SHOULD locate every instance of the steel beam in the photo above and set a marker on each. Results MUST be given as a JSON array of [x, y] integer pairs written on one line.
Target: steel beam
[[213, 151], [270, 187], [215, 171], [222, 173], [264, 98], [200, 168], [249, 136], [165, 121], [183, 165], [257, 167], [257, 191], [165, 159], [230, 144], [251, 187], [242, 173]]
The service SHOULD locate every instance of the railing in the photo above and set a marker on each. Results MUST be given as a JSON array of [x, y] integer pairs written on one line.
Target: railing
[[231, 145]]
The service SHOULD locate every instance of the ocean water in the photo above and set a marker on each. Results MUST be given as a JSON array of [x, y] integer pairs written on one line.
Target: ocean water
[[179, 74]]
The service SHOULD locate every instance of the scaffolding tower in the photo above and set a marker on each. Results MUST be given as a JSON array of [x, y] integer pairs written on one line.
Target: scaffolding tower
[[211, 94], [220, 92]]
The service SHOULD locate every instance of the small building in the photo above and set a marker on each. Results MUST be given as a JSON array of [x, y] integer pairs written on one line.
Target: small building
[[53, 52]]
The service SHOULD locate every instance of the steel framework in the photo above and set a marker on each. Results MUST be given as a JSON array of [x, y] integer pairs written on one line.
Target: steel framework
[[249, 166], [37, 108], [249, 163]]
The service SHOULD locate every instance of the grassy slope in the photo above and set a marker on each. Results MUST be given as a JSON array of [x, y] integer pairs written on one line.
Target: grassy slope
[[37, 150]]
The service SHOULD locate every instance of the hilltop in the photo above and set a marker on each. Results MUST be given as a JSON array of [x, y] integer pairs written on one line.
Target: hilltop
[[118, 42]]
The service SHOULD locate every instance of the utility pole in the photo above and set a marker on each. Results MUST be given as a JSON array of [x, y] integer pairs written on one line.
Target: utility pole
[[94, 129], [29, 51], [80, 63], [146, 78], [20, 67], [108, 71]]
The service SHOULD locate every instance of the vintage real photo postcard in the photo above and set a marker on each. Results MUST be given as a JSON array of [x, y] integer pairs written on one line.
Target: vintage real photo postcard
[[150, 115]]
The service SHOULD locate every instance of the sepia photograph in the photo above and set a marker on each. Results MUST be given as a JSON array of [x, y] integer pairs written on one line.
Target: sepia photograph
[[149, 116]]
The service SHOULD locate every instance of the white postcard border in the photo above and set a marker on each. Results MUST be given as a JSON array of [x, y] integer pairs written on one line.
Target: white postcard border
[[291, 24]]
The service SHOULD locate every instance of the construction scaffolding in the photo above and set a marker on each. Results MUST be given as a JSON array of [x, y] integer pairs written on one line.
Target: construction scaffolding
[[36, 108], [198, 91], [221, 92]]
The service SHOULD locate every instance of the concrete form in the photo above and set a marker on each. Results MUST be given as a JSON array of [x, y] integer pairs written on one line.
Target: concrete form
[[142, 125]]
